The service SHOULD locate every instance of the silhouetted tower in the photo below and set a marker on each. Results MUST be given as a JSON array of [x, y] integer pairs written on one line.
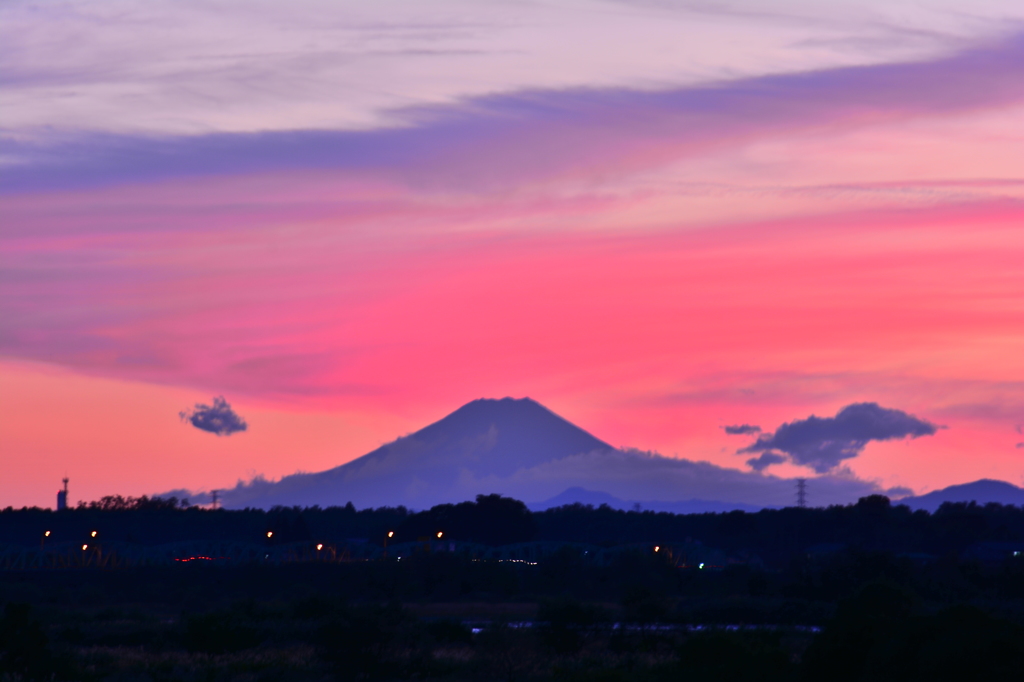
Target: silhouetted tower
[[213, 495], [62, 496], [801, 492]]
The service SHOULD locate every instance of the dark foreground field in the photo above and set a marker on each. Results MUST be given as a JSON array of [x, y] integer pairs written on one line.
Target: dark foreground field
[[450, 618], [864, 592]]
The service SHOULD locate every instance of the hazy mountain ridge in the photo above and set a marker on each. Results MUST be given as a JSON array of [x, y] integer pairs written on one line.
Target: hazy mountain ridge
[[596, 498], [982, 491]]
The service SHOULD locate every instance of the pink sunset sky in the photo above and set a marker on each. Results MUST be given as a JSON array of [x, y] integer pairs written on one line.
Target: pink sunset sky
[[656, 219]]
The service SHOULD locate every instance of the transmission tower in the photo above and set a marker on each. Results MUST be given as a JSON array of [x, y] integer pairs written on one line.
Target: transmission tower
[[801, 492], [62, 496]]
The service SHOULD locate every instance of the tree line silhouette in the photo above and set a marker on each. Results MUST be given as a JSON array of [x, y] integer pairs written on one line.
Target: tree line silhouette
[[772, 536]]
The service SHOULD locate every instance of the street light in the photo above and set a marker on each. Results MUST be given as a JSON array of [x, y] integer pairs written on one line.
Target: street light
[[85, 547], [439, 534], [657, 548], [270, 533], [46, 534], [319, 546], [92, 534], [391, 533]]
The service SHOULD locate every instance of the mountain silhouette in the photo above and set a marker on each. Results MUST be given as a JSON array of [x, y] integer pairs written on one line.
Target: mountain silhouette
[[485, 440], [520, 449], [984, 491]]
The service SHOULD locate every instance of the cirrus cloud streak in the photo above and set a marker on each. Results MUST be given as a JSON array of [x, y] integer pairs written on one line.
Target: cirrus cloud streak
[[520, 139]]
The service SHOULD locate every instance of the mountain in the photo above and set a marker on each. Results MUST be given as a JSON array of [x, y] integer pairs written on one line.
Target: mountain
[[596, 499], [984, 491], [520, 449], [578, 495], [485, 440]]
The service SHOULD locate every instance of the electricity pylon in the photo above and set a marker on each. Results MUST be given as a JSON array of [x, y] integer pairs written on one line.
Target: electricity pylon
[[801, 492]]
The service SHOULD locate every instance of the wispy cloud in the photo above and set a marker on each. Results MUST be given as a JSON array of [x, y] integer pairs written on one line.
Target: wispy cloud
[[196, 67], [494, 141]]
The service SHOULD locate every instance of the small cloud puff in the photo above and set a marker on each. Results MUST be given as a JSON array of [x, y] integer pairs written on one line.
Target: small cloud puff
[[742, 429], [822, 443], [765, 460], [218, 418]]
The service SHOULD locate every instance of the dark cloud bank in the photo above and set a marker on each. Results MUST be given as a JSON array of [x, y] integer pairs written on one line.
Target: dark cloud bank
[[822, 443], [218, 418]]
